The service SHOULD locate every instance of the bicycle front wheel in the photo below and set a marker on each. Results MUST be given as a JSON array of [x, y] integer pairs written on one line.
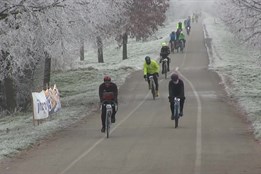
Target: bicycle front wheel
[[176, 115], [166, 70], [176, 122]]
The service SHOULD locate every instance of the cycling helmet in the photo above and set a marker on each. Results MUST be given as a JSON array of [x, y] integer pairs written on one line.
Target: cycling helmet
[[174, 77], [147, 59], [107, 79], [163, 44]]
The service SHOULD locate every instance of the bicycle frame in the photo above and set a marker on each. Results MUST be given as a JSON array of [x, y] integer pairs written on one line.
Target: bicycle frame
[[172, 46], [176, 111], [181, 45], [176, 107]]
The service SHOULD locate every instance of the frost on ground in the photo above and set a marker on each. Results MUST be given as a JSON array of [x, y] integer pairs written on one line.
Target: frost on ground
[[79, 91], [79, 85], [239, 67]]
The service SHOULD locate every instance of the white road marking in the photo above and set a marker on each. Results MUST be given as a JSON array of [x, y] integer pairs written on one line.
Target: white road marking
[[199, 128], [101, 139], [198, 159]]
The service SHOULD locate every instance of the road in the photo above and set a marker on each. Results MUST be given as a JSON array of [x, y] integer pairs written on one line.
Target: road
[[213, 137]]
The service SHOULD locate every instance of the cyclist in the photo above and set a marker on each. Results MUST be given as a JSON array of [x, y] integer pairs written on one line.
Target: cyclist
[[180, 26], [182, 38], [108, 93], [187, 24], [164, 53], [172, 40], [196, 17], [176, 89], [179, 30], [151, 67], [193, 17]]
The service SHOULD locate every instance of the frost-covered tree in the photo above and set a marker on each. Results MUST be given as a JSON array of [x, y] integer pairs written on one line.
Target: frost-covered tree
[[111, 12], [31, 28], [22, 43], [143, 19], [244, 19]]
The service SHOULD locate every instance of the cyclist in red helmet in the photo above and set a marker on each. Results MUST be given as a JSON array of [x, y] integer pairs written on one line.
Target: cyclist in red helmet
[[176, 89], [108, 92]]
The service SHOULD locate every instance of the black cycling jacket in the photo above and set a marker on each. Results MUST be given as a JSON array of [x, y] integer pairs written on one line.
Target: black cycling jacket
[[176, 90], [108, 87], [165, 51]]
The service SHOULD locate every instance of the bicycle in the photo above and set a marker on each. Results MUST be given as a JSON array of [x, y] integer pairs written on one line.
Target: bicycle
[[165, 67], [181, 45], [177, 45], [188, 30], [109, 110], [175, 116], [172, 46], [152, 86]]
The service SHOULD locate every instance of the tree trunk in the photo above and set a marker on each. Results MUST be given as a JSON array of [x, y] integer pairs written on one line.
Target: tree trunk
[[100, 50], [2, 99], [2, 92], [47, 71], [24, 86], [8, 87], [124, 43], [82, 50], [10, 94]]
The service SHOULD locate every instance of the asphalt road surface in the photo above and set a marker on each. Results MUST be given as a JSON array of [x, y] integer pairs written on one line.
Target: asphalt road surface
[[212, 137]]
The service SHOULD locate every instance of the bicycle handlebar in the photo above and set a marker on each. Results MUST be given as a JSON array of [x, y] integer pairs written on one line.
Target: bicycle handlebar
[[150, 77], [176, 98]]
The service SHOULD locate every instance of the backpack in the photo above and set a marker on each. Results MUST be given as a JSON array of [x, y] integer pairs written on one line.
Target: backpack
[[108, 96]]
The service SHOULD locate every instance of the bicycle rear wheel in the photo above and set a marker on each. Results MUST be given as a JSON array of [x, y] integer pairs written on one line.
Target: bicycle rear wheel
[[181, 46], [153, 89], [108, 123], [166, 70], [172, 46]]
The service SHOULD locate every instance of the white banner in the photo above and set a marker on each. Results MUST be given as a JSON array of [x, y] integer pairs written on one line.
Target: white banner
[[40, 105]]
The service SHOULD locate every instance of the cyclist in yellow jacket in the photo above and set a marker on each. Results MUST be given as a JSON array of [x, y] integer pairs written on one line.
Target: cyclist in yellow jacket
[[151, 67]]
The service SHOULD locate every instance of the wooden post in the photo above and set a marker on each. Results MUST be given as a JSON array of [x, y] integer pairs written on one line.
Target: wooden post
[[47, 71], [124, 48], [100, 50], [82, 50]]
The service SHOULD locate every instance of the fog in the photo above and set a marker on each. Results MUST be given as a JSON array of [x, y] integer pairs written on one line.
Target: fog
[[182, 8]]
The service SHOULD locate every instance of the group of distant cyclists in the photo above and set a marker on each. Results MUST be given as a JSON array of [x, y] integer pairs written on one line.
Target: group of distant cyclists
[[176, 85], [108, 90], [177, 38]]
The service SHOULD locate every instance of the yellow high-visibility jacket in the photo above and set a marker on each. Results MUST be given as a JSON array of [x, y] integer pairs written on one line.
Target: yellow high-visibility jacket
[[152, 68]]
